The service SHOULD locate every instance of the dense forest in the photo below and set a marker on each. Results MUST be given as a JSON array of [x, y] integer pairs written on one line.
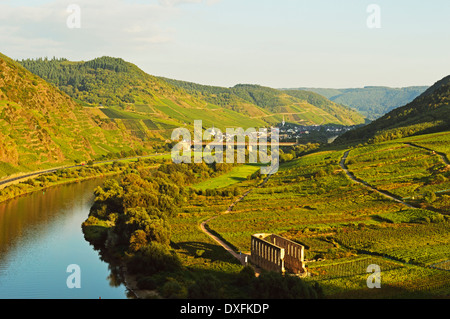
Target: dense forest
[[93, 81], [428, 113], [371, 101]]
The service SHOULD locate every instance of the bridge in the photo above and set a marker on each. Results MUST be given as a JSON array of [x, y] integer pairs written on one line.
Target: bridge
[[224, 143]]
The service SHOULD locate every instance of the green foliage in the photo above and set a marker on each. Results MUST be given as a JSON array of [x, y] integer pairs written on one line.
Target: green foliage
[[121, 91], [371, 101], [80, 80], [311, 201], [255, 100], [273, 285], [153, 258], [41, 127], [406, 171], [428, 113], [412, 216], [206, 286], [430, 197], [246, 277], [172, 289]]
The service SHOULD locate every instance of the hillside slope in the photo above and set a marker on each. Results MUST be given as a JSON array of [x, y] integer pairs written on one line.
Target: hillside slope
[[273, 105], [141, 102], [428, 113], [150, 107], [42, 127], [371, 101]]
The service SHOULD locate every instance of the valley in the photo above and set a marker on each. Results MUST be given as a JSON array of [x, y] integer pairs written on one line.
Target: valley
[[378, 194]]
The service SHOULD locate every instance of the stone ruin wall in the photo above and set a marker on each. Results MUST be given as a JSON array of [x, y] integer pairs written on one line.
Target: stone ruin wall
[[274, 253]]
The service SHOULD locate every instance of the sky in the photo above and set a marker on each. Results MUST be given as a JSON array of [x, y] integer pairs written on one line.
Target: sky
[[276, 43]]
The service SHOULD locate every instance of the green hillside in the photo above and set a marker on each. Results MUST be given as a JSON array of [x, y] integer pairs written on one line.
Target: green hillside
[[272, 105], [221, 96], [428, 113], [122, 91], [42, 127], [371, 101]]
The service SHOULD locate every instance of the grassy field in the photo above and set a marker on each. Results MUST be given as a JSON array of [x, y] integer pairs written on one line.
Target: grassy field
[[236, 175]]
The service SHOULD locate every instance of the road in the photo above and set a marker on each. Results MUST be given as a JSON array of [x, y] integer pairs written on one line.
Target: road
[[442, 155], [365, 184], [48, 171]]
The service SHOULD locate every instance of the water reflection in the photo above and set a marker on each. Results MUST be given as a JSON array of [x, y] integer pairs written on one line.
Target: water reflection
[[40, 235]]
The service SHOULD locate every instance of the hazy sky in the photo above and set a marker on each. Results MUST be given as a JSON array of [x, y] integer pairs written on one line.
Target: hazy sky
[[278, 43]]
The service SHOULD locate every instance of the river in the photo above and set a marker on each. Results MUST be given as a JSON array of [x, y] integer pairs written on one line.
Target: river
[[40, 236]]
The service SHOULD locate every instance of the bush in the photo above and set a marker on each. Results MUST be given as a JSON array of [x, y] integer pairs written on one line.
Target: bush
[[246, 276], [172, 289], [147, 282], [199, 252], [206, 286], [152, 259], [273, 285], [430, 197], [440, 179]]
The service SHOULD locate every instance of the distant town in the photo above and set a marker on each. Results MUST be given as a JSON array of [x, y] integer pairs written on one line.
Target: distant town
[[290, 132]]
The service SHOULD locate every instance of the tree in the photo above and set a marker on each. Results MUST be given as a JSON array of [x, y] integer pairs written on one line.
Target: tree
[[246, 276], [272, 285], [430, 197], [206, 286], [152, 259], [138, 240], [440, 178]]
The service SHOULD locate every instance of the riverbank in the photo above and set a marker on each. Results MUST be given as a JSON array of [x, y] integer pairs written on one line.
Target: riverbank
[[75, 174], [41, 237], [130, 281]]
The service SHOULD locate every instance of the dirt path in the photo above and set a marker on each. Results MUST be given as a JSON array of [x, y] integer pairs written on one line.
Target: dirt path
[[242, 257], [442, 155], [364, 183]]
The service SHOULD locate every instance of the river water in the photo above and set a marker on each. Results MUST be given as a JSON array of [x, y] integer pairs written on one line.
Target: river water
[[40, 236]]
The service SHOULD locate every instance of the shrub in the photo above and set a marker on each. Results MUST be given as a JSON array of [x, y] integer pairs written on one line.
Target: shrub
[[430, 197], [147, 282], [206, 286], [273, 285], [246, 276], [172, 289], [440, 179], [152, 259], [199, 252]]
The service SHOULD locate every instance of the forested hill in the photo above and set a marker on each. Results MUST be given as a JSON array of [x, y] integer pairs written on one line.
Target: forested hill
[[371, 101], [272, 105], [430, 112], [113, 82], [41, 127], [105, 80], [148, 106]]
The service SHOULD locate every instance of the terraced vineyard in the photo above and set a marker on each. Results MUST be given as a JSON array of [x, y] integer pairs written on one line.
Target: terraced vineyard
[[348, 279], [346, 226], [405, 170]]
